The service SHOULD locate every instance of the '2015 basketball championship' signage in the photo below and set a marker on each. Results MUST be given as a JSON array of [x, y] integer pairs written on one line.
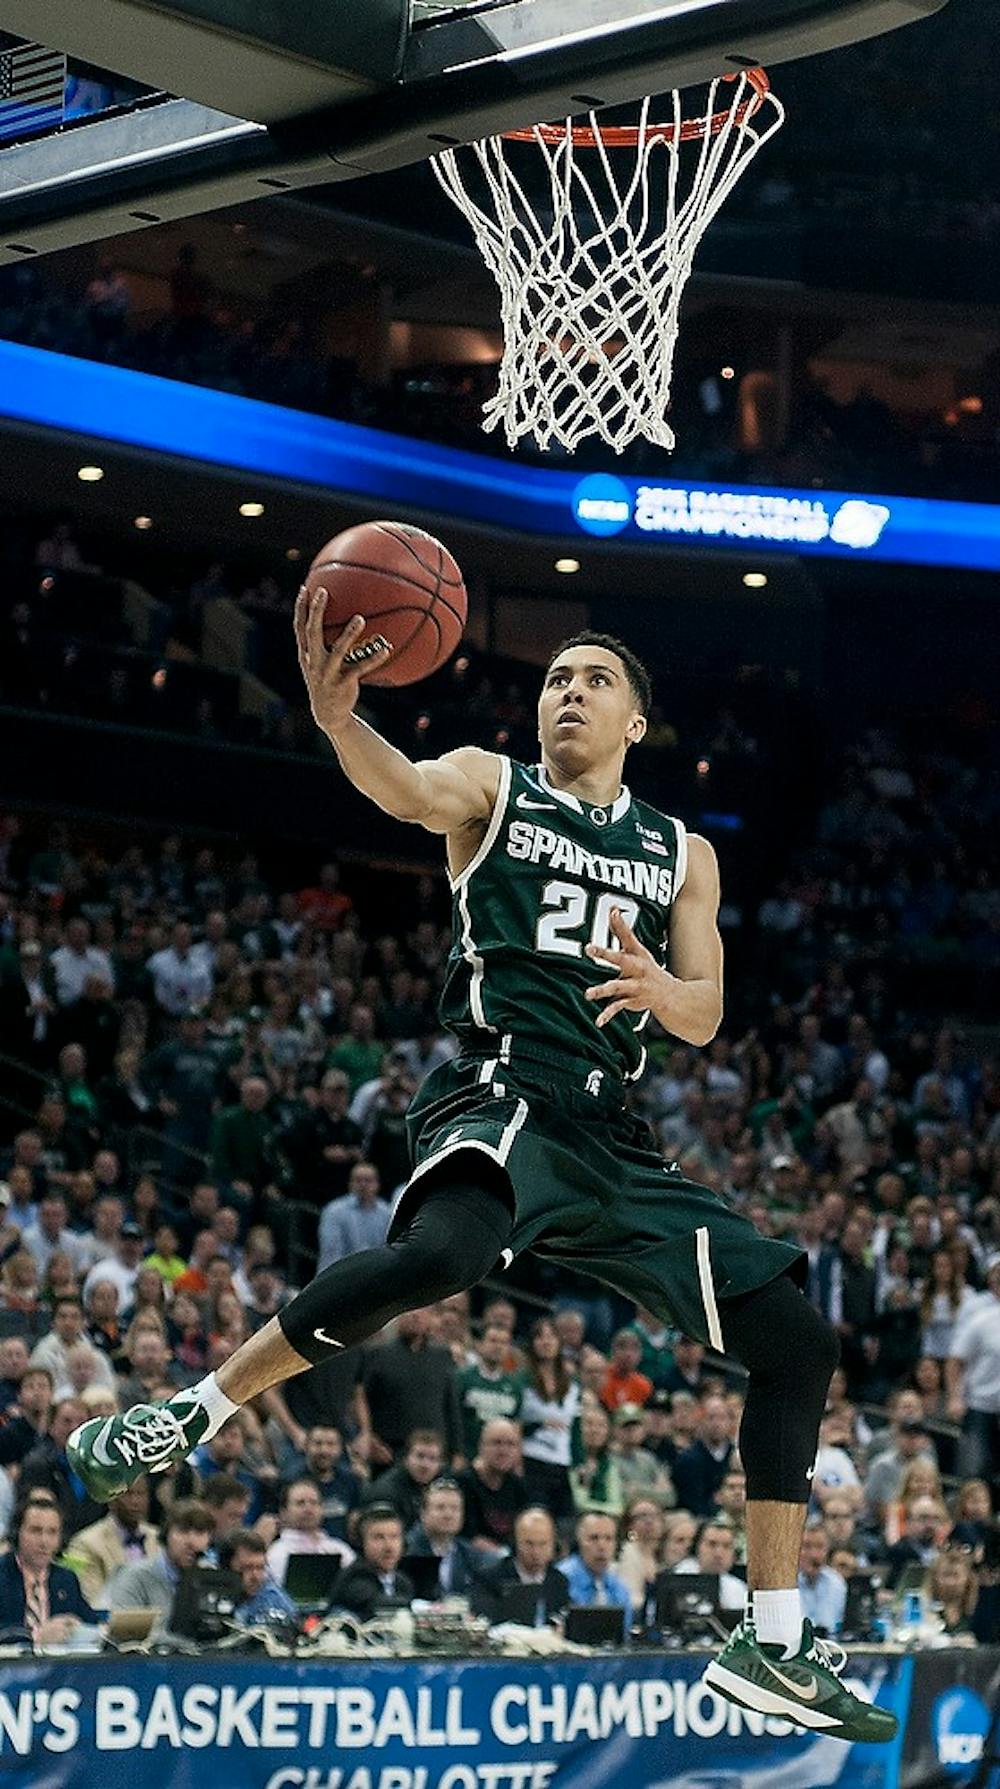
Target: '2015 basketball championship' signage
[[218, 429]]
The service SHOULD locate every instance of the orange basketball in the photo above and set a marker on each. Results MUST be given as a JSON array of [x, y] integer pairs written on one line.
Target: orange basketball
[[406, 585]]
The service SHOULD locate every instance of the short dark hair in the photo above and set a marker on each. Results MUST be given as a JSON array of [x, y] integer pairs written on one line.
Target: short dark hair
[[246, 1539], [301, 1478], [640, 682], [44, 1371], [36, 1498], [221, 1488], [189, 1515], [376, 1512], [423, 1438]]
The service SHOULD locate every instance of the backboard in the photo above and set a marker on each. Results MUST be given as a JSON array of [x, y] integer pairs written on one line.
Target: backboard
[[229, 100]]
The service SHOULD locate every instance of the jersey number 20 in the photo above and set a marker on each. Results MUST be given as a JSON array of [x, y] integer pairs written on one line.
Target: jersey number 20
[[573, 917]]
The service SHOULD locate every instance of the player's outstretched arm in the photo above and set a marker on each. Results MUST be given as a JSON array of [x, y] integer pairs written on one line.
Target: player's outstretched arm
[[444, 794]]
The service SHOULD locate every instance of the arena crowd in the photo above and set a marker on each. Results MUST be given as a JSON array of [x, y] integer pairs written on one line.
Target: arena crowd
[[206, 1080]]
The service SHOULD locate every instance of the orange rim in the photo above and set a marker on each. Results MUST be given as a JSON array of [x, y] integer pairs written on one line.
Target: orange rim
[[628, 136]]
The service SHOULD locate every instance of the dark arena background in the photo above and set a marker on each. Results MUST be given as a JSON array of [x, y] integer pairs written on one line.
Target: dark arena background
[[238, 314]]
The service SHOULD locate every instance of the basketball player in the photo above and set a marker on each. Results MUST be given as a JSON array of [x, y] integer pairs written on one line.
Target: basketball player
[[578, 912]]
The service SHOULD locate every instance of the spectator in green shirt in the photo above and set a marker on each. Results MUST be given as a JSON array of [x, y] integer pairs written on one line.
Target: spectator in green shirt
[[164, 1258], [486, 1389], [243, 1148], [657, 1355], [359, 1053]]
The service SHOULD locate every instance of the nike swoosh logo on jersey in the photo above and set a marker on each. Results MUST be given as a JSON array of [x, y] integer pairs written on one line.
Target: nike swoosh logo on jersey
[[331, 1342], [525, 801], [807, 1692]]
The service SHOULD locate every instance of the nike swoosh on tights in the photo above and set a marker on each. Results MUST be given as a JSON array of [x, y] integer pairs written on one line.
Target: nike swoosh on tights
[[807, 1693], [321, 1336]]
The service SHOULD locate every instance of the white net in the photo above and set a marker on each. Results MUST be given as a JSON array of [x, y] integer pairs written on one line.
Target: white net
[[592, 258]]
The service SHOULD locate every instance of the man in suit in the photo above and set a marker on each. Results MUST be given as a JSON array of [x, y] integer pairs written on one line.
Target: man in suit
[[28, 1009], [123, 1537], [375, 1576], [439, 1534], [35, 1594], [531, 1563]]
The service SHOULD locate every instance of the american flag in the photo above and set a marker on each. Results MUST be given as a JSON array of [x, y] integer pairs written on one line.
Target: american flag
[[32, 83]]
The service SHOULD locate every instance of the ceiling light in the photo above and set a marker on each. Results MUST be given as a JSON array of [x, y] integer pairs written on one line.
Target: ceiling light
[[755, 580], [293, 553], [567, 565], [142, 523], [251, 509], [728, 372], [90, 475]]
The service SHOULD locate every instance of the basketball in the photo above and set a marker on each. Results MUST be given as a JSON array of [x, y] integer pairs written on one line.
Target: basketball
[[406, 585]]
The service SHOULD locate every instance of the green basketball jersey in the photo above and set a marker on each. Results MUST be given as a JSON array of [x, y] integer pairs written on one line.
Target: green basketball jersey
[[539, 889]]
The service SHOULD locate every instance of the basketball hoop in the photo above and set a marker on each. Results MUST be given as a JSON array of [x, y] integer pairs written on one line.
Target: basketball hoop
[[592, 263]]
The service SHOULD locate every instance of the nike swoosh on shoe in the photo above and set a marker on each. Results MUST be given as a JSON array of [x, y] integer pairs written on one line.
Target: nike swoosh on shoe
[[809, 1692]]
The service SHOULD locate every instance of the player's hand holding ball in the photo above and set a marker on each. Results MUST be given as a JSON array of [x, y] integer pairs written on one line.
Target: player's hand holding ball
[[382, 603], [640, 982]]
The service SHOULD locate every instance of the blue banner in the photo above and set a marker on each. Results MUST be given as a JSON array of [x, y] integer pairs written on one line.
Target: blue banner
[[139, 410], [567, 1723]]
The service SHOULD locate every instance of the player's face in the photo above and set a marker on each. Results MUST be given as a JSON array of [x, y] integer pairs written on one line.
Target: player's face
[[586, 711]]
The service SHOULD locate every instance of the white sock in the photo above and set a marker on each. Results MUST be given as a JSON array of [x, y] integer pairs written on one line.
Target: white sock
[[777, 1617], [209, 1394]]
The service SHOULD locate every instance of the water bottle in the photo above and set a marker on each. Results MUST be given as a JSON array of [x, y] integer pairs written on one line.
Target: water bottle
[[911, 1618]]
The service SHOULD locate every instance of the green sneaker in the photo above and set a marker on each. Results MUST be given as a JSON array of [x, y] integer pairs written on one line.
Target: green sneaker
[[805, 1689], [110, 1452]]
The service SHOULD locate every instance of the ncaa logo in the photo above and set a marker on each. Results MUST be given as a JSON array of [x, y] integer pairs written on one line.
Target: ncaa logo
[[601, 504], [960, 1721]]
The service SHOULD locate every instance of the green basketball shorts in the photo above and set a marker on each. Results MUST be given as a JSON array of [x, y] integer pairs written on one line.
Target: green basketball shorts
[[590, 1188]]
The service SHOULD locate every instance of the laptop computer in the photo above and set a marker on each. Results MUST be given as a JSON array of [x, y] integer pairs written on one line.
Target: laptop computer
[[131, 1624], [205, 1602], [519, 1603], [423, 1570], [310, 1578], [588, 1626], [687, 1603]]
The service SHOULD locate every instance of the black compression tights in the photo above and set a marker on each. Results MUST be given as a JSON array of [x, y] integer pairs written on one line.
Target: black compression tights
[[790, 1352], [452, 1241], [455, 1237]]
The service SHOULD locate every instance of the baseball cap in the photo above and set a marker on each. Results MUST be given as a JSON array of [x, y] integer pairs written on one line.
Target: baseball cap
[[660, 1400], [130, 1231], [30, 947], [629, 1413], [783, 1161]]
